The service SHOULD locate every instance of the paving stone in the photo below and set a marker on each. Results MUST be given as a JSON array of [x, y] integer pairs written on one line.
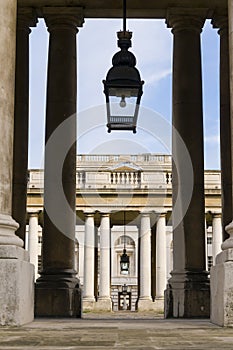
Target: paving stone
[[121, 333]]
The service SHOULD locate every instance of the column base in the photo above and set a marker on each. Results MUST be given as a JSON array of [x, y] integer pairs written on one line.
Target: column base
[[16, 287], [187, 295], [221, 285], [145, 304], [88, 304], [57, 296], [8, 226], [103, 304], [159, 304]]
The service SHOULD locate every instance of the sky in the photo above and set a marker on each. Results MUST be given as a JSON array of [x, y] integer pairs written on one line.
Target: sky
[[152, 46]]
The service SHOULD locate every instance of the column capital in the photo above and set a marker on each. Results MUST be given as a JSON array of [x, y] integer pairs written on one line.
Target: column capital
[[146, 213], [88, 214], [104, 215], [162, 214], [26, 18], [216, 214], [191, 19], [221, 22], [63, 17], [33, 212]]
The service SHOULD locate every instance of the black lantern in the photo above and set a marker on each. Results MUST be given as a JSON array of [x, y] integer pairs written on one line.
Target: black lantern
[[124, 262], [123, 85]]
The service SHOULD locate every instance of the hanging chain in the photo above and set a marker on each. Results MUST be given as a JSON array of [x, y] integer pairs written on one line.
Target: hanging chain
[[124, 230], [124, 15]]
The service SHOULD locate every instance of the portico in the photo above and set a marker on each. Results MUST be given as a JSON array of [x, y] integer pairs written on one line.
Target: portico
[[58, 288]]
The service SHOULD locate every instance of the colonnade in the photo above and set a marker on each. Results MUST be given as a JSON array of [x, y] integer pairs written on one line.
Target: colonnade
[[57, 290], [102, 300]]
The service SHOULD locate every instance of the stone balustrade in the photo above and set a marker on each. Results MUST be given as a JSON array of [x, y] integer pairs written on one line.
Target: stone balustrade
[[134, 171]]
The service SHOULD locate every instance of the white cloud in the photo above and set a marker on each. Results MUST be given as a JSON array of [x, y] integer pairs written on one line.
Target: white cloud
[[212, 139], [156, 77]]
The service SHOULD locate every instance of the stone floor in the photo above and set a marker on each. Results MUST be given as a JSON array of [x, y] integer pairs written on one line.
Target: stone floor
[[129, 331]]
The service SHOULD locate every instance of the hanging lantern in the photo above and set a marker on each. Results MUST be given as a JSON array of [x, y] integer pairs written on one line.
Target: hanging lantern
[[124, 262], [123, 85]]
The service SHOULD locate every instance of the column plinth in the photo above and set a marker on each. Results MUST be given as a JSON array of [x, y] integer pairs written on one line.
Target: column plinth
[[187, 294], [57, 290]]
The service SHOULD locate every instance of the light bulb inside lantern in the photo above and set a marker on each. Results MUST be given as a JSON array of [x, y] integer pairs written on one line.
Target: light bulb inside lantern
[[122, 103]]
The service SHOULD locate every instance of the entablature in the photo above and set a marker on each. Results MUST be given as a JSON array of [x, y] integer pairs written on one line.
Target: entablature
[[135, 8]]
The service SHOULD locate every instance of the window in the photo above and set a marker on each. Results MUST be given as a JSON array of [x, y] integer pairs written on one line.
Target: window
[[209, 240], [125, 240], [40, 239]]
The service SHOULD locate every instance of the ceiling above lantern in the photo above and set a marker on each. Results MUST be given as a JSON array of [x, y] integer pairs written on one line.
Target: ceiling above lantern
[[135, 8]]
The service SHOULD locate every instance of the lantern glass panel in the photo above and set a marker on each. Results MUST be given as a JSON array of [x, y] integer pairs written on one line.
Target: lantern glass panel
[[124, 268], [122, 106]]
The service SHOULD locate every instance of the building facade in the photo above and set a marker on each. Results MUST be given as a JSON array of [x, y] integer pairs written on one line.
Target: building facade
[[126, 190]]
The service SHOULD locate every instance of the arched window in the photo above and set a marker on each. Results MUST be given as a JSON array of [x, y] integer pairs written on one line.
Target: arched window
[[129, 244], [125, 240]]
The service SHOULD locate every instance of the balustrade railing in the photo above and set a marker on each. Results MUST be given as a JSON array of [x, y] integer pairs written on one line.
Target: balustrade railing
[[95, 174], [126, 178]]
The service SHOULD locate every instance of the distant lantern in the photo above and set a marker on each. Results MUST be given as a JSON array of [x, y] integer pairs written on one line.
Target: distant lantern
[[123, 85], [124, 262]]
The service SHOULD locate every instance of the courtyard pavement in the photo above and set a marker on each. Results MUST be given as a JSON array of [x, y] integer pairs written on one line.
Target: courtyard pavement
[[130, 331]]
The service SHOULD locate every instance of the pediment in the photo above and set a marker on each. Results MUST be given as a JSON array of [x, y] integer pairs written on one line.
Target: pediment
[[125, 166]]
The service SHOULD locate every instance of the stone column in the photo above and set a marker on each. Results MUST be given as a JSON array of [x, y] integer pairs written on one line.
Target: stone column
[[104, 300], [57, 290], [221, 276], [217, 235], [89, 263], [187, 294], [206, 246], [169, 251], [33, 238], [16, 273], [145, 301], [221, 22], [161, 260], [26, 18]]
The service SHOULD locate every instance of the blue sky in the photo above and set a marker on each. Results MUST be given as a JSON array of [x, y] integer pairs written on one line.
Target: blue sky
[[152, 46]]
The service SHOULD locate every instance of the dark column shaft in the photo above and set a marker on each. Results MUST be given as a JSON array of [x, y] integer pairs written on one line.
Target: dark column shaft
[[188, 274], [188, 122], [60, 167], [26, 18], [58, 246]]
